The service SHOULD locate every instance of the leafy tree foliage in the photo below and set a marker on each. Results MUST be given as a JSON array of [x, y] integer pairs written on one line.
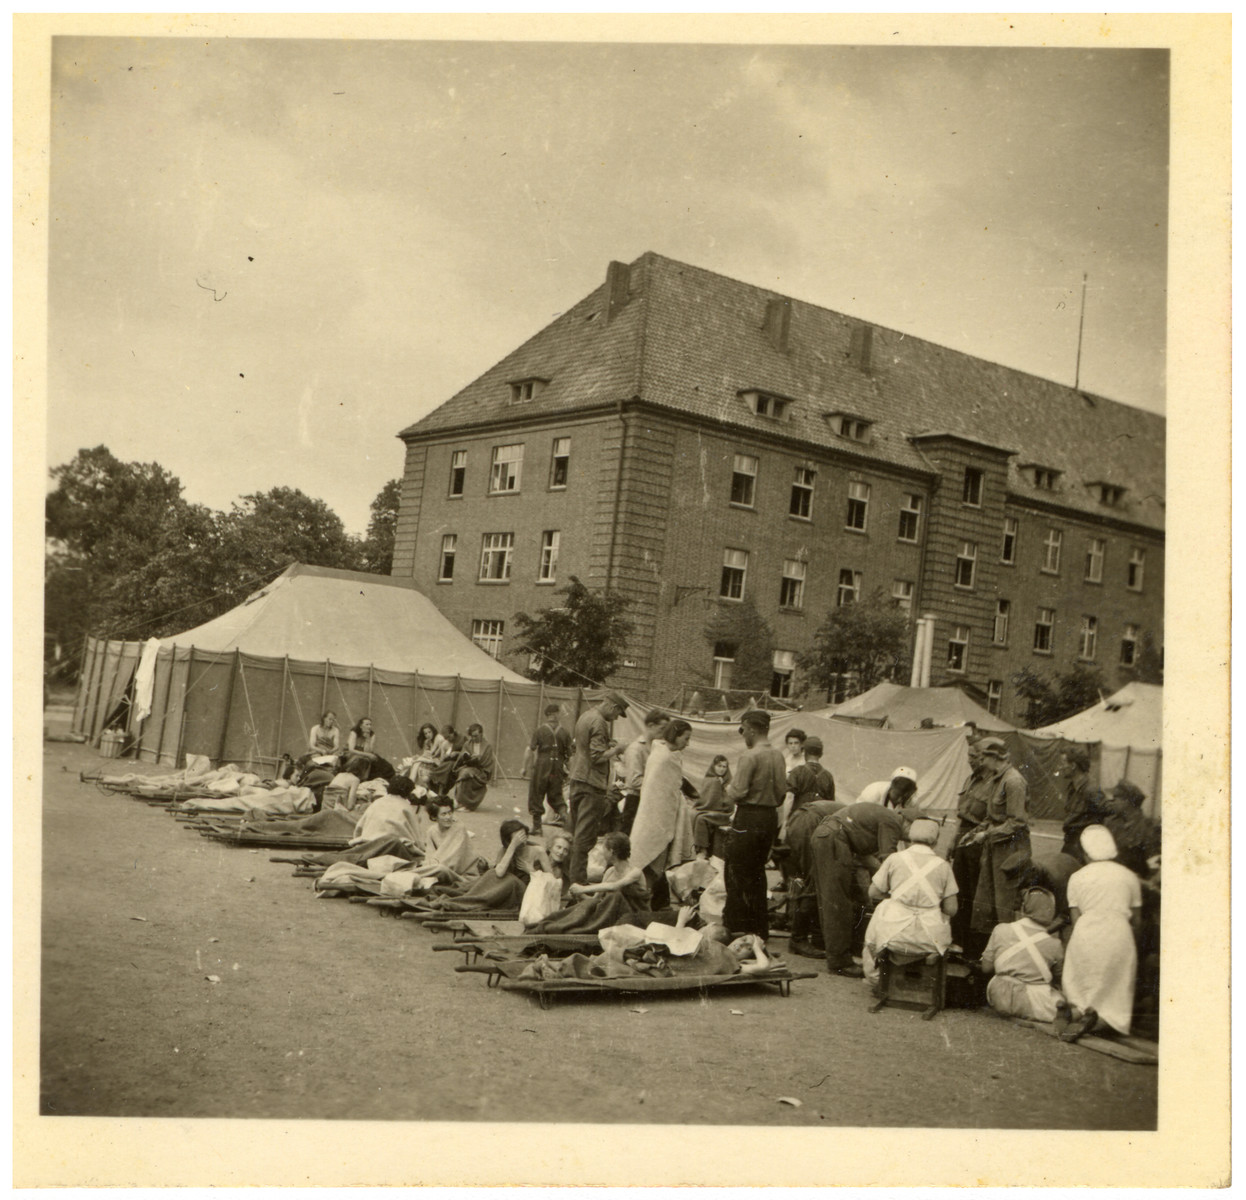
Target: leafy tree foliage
[[378, 544], [742, 630], [1150, 668], [869, 639], [582, 641], [1052, 698]]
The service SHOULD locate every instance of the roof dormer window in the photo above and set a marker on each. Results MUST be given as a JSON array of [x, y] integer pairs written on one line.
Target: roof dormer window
[[1110, 494], [523, 390], [850, 426], [1044, 478], [767, 404]]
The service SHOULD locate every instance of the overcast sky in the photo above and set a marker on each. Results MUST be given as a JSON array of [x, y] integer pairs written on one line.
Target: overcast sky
[[267, 257]]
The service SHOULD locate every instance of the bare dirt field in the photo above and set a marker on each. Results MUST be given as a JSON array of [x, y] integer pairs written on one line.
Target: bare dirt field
[[326, 1010]]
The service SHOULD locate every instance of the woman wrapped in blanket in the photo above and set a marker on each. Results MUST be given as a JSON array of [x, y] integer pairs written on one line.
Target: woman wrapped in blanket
[[621, 898], [448, 854]]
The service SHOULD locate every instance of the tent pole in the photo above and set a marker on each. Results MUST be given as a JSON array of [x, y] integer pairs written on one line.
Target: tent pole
[[181, 729], [415, 710], [168, 693], [93, 729], [497, 736], [324, 692], [229, 704], [370, 691], [107, 692], [91, 699], [81, 696], [454, 704], [281, 708]]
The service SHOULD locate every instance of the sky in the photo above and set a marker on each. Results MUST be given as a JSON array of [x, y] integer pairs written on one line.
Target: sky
[[267, 257]]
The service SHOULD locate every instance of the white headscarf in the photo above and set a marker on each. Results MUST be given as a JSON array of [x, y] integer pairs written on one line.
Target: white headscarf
[[1098, 843]]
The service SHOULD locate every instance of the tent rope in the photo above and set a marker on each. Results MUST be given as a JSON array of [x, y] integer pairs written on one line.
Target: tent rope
[[246, 695]]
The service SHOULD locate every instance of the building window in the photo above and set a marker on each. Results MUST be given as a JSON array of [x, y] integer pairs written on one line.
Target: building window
[[966, 560], [526, 389], [1008, 553], [1137, 565], [972, 491], [1045, 477], [507, 469], [458, 472], [743, 480], [1129, 646], [910, 516], [1003, 609], [735, 563], [801, 504], [724, 661], [1094, 560], [994, 694], [855, 429], [792, 585], [858, 504], [766, 405], [902, 595], [549, 556], [449, 544], [958, 648], [1051, 552], [560, 465], [1089, 636], [849, 590], [781, 678], [1110, 494], [1043, 629], [488, 636], [495, 557]]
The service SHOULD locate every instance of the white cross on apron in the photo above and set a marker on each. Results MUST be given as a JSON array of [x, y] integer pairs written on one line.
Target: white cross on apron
[[1029, 943], [919, 877]]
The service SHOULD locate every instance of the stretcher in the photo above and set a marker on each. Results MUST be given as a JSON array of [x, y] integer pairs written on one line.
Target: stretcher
[[276, 841], [500, 975], [503, 947], [1127, 1049]]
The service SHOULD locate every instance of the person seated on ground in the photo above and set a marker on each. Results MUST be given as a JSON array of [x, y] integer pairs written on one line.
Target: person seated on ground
[[621, 898], [558, 855], [662, 836], [895, 792], [476, 765], [360, 757], [323, 742], [712, 809], [425, 739], [502, 886], [917, 895], [446, 747], [395, 815], [1023, 959], [1101, 959], [448, 852], [1052, 873], [1137, 837]]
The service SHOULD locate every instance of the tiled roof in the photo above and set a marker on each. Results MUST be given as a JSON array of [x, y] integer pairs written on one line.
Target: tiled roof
[[690, 340]]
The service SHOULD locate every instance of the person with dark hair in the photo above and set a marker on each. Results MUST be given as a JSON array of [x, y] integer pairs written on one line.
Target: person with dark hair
[[595, 750], [808, 781], [1137, 837], [393, 815], [758, 789], [447, 854], [635, 759], [712, 808], [1083, 805], [621, 898], [502, 886], [476, 766], [662, 837], [545, 766], [794, 749], [360, 758], [322, 742], [445, 749], [425, 739]]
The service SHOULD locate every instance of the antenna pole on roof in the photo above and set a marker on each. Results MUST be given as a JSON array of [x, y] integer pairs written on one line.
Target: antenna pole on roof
[[1081, 322]]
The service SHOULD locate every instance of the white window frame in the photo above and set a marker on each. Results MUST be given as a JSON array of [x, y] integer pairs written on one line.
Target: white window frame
[[1130, 638], [449, 551], [506, 470], [1136, 570], [1049, 623], [858, 504], [458, 462], [802, 494], [1003, 612], [547, 567], [1053, 543], [848, 592], [723, 664], [994, 696], [1096, 549], [958, 664], [902, 595], [1088, 638], [968, 553], [910, 511], [561, 451], [736, 562], [487, 634], [972, 496], [794, 571], [1007, 551], [782, 671], [497, 551], [744, 467]]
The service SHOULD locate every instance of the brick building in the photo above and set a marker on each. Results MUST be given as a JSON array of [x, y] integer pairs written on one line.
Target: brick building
[[693, 442]]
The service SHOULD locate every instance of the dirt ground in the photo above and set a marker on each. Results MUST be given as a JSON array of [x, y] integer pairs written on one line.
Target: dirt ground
[[326, 1010]]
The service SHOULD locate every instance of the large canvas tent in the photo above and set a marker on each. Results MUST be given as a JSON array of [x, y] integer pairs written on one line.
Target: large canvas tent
[[248, 685], [896, 707], [1128, 728]]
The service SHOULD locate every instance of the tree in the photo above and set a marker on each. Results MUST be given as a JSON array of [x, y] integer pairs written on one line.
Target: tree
[[582, 641], [868, 639], [743, 635], [1050, 699], [1150, 661], [378, 544]]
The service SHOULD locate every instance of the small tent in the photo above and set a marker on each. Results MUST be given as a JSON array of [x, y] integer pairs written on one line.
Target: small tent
[[894, 706], [248, 685]]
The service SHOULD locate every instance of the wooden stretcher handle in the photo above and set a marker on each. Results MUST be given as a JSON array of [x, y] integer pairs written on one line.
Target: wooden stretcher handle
[[476, 969]]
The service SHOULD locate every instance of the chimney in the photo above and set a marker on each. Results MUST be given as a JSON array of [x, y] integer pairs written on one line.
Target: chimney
[[778, 320], [618, 280], [861, 350]]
